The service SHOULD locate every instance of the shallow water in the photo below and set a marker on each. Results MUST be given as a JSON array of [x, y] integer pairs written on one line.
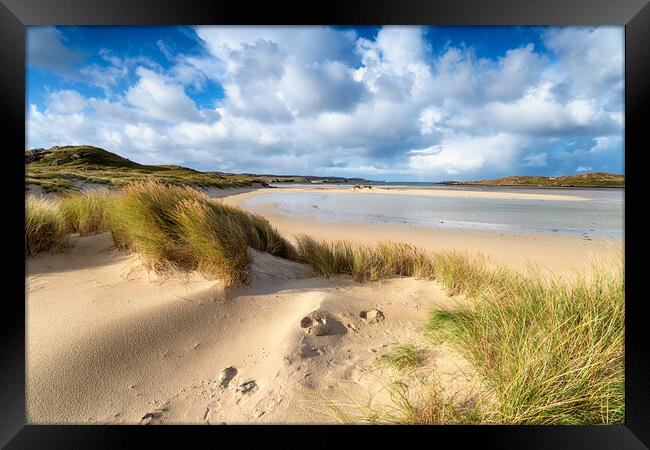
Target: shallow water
[[601, 214]]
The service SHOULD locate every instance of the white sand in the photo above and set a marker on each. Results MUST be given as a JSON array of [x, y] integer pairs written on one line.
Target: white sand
[[440, 192], [108, 342]]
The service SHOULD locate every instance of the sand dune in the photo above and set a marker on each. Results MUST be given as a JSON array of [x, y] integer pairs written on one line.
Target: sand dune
[[110, 342]]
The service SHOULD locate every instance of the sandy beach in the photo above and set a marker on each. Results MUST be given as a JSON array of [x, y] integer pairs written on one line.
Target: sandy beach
[[556, 253], [111, 342], [460, 192]]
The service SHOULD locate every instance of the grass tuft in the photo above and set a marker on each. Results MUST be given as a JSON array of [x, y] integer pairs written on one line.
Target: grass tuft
[[425, 405], [179, 227], [552, 351], [363, 262], [86, 213], [44, 227], [404, 357], [217, 241]]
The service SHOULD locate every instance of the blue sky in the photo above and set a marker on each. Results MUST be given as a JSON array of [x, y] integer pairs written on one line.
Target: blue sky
[[385, 103]]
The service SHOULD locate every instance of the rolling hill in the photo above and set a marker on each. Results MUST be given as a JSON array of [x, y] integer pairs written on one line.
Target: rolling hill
[[589, 179], [63, 168]]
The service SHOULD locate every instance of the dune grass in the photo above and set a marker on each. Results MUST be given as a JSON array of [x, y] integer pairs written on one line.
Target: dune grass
[[551, 350], [364, 262], [427, 407], [461, 274], [86, 213], [44, 226], [412, 402], [404, 357], [180, 227]]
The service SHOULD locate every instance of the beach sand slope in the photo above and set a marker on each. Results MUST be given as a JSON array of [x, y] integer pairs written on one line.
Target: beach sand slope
[[111, 342]]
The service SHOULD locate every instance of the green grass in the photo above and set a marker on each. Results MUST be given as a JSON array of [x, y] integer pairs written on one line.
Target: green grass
[[44, 226], [424, 405], [589, 179], [405, 357], [86, 213], [551, 350], [461, 274], [179, 227], [172, 227], [364, 262], [62, 169]]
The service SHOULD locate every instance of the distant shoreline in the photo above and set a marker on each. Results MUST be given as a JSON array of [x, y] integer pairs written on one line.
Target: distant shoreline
[[554, 252], [567, 186], [588, 179], [411, 184]]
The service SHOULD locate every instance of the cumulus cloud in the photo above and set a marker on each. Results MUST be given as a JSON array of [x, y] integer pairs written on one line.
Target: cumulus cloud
[[590, 60], [162, 99], [322, 100], [466, 154], [66, 102]]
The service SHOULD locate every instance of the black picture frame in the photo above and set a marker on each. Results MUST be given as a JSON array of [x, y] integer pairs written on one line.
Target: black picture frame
[[15, 15]]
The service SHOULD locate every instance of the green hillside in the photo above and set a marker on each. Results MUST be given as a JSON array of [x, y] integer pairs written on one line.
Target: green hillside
[[66, 168], [589, 179]]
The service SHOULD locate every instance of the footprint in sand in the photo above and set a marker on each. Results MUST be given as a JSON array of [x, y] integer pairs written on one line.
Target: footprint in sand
[[320, 323], [315, 323], [226, 376], [372, 316], [247, 387], [154, 417], [310, 352]]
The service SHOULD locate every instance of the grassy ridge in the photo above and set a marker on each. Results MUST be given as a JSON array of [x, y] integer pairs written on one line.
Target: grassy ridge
[[172, 227], [551, 350], [589, 179], [61, 169]]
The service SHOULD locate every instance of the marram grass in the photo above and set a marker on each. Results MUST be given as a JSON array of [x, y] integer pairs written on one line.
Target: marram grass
[[412, 402], [180, 227], [363, 262], [44, 226], [551, 350], [86, 213], [404, 357]]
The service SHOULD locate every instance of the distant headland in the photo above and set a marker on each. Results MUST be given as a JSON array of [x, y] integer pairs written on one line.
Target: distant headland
[[588, 179]]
